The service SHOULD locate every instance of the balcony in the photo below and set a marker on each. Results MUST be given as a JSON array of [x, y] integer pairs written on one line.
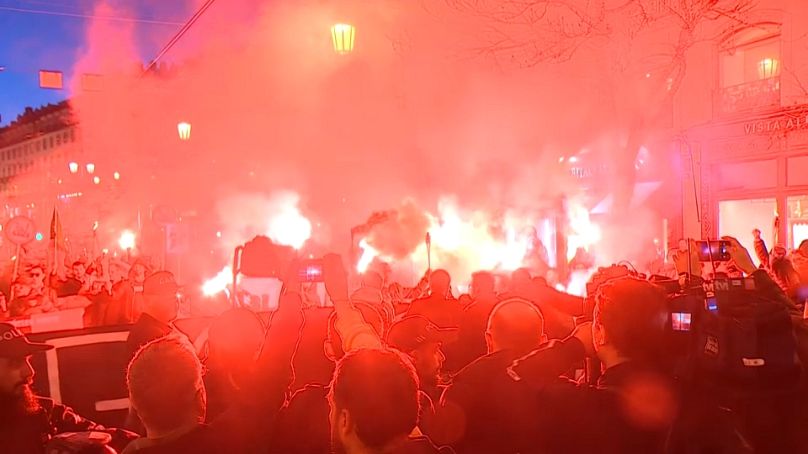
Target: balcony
[[748, 96]]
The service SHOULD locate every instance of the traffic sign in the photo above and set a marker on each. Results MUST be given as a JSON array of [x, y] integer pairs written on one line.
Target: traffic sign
[[20, 230]]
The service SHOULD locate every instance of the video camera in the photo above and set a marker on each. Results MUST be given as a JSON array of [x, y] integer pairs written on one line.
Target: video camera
[[726, 332]]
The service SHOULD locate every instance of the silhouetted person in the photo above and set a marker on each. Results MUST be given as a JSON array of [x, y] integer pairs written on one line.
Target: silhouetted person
[[374, 405], [471, 343], [633, 404], [167, 393], [29, 422], [127, 297], [484, 410], [234, 340], [302, 426], [160, 307], [439, 307]]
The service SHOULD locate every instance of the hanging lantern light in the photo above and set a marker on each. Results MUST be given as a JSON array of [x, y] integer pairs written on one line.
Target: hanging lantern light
[[97, 180], [768, 68], [184, 130], [342, 36], [90, 168], [73, 166]]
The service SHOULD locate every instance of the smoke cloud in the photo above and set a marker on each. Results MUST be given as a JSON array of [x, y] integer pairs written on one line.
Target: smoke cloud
[[283, 126]]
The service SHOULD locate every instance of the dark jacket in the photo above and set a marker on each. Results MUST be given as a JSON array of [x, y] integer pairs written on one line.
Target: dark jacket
[[30, 433], [303, 428], [145, 330], [201, 440], [420, 445], [484, 410], [611, 417]]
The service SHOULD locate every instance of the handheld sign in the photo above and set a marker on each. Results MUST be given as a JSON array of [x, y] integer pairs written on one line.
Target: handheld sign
[[20, 230]]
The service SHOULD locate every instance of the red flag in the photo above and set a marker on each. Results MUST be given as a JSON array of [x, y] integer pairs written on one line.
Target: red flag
[[56, 226]]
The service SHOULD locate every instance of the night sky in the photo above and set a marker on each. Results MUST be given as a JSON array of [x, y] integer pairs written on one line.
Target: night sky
[[49, 34]]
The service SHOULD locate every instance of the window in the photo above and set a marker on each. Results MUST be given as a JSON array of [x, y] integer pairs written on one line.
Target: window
[[751, 60], [749, 70]]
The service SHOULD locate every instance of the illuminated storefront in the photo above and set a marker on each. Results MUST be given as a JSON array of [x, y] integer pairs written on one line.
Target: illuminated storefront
[[754, 175]]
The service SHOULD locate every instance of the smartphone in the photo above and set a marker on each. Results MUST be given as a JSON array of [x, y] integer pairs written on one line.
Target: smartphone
[[716, 251], [310, 271], [712, 304], [680, 321]]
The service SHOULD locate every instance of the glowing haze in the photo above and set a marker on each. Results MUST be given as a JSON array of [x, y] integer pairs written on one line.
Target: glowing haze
[[293, 141]]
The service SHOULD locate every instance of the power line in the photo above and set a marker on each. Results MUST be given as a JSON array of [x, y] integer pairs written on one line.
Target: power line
[[87, 16], [179, 34]]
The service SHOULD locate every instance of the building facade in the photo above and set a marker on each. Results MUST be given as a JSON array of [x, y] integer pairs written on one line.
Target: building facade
[[744, 147]]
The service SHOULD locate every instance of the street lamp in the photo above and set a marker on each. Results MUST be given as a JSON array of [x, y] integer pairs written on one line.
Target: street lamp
[[342, 36], [116, 176], [184, 130], [96, 180], [90, 168], [73, 166], [768, 68]]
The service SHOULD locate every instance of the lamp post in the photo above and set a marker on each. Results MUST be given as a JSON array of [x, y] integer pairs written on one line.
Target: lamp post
[[184, 130], [342, 37], [768, 68]]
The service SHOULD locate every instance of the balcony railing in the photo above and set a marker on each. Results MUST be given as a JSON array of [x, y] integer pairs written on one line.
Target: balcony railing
[[749, 96]]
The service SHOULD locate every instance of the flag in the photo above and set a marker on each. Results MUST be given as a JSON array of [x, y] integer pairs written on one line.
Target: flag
[[59, 244], [55, 226]]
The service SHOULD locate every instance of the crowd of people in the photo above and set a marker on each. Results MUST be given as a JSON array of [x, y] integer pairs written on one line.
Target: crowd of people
[[523, 368], [107, 290]]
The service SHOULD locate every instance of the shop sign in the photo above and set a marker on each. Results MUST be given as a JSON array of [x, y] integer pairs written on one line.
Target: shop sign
[[786, 122]]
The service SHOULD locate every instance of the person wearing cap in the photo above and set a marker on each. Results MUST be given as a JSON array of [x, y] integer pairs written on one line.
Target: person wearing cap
[[422, 340], [28, 422], [484, 410], [160, 307]]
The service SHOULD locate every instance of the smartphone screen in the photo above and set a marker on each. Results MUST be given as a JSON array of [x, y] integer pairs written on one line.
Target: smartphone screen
[[311, 271], [680, 321], [717, 251]]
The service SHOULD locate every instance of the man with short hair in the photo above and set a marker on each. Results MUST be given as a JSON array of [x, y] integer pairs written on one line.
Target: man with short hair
[[484, 410], [374, 405], [159, 310], [172, 405], [29, 422], [302, 426], [633, 404]]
